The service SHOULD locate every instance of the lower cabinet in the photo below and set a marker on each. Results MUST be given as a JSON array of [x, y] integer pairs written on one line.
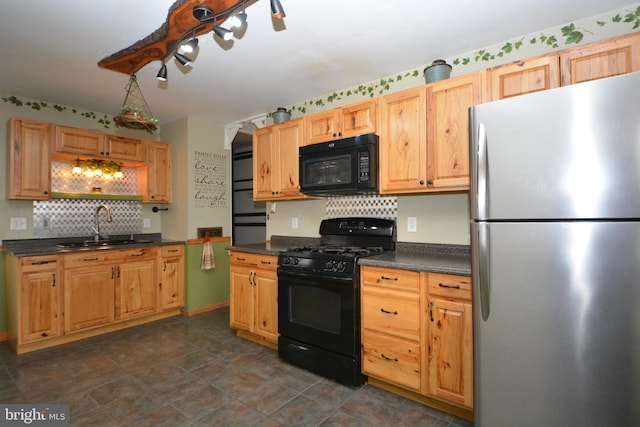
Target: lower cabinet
[[417, 335], [254, 295], [52, 299]]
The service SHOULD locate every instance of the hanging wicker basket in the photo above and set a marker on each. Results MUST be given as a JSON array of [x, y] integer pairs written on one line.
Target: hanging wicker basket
[[135, 113]]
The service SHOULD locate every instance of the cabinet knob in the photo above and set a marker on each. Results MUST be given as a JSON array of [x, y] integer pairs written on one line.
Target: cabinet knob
[[422, 182], [430, 182]]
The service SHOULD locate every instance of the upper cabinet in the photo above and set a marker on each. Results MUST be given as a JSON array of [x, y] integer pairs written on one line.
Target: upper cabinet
[[424, 139], [352, 120], [275, 161], [607, 58], [523, 77], [593, 61], [154, 178], [83, 142], [29, 159]]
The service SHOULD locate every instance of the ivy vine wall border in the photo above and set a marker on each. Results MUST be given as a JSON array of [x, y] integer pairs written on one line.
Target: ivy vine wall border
[[625, 20]]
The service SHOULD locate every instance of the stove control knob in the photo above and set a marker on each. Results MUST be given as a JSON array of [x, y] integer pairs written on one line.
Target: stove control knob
[[296, 260], [339, 266]]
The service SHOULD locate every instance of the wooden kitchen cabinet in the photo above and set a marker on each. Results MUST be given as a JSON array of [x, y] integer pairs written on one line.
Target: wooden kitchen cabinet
[[523, 77], [136, 293], [254, 295], [403, 142], [29, 160], [448, 103], [611, 57], [450, 339], [171, 273], [392, 348], [352, 120], [34, 299], [84, 142], [275, 161], [154, 178]]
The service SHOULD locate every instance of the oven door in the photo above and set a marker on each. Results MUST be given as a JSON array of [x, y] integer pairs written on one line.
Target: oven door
[[319, 310]]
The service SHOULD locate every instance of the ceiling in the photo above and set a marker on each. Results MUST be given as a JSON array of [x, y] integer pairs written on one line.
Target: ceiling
[[50, 49]]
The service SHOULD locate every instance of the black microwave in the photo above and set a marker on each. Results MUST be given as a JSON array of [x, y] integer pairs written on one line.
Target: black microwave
[[343, 166]]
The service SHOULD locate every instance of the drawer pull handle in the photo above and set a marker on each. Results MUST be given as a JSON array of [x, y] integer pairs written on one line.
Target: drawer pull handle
[[389, 312], [389, 278], [90, 259], [390, 359], [266, 262], [173, 250], [431, 310], [442, 285], [241, 259], [40, 263], [140, 254]]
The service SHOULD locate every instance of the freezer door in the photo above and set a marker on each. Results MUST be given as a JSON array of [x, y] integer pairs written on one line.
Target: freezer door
[[558, 341], [571, 152]]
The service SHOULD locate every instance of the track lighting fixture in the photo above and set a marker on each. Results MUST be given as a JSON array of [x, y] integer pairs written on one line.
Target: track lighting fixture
[[276, 9], [205, 15], [162, 74], [183, 60]]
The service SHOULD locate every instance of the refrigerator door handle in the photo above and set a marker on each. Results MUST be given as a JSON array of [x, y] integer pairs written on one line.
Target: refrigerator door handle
[[482, 177], [483, 269]]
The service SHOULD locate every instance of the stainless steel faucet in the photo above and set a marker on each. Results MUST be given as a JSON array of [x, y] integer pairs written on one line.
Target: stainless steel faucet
[[96, 228]]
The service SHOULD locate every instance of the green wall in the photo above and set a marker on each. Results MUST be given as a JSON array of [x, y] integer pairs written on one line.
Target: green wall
[[204, 288]]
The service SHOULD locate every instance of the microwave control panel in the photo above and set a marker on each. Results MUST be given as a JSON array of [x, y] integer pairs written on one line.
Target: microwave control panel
[[364, 170]]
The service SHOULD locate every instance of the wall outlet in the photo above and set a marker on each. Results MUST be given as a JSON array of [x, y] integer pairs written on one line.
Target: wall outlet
[[294, 222], [18, 223], [46, 222], [412, 224], [146, 223]]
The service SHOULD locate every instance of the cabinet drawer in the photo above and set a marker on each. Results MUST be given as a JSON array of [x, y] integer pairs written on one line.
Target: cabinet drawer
[[254, 260], [390, 278], [390, 313], [139, 253], [87, 258], [172, 251], [38, 263], [391, 359], [450, 286]]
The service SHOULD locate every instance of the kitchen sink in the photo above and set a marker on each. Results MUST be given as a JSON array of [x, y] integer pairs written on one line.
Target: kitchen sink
[[101, 243]]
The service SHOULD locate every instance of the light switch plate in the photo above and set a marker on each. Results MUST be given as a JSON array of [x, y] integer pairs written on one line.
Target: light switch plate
[[294, 222], [146, 222], [412, 224], [18, 224]]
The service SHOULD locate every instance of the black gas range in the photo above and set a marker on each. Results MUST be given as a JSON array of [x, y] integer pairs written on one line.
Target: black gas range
[[319, 296]]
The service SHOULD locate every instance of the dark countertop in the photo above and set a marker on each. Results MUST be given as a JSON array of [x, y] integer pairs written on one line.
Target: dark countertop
[[31, 247], [437, 258]]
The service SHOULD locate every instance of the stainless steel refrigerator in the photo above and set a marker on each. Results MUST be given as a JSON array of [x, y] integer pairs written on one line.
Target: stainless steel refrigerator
[[555, 233]]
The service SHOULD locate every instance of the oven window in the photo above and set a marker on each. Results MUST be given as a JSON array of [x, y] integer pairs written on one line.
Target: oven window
[[332, 170], [315, 308]]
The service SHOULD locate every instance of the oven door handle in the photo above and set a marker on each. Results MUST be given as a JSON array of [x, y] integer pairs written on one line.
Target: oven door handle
[[309, 276]]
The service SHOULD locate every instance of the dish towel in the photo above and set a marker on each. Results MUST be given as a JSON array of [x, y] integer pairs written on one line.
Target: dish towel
[[208, 259]]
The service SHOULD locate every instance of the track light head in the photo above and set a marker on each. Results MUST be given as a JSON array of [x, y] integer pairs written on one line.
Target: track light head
[[183, 60], [276, 9], [223, 33], [162, 73], [238, 19], [190, 46]]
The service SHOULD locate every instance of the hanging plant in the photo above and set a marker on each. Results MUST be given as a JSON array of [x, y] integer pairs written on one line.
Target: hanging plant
[[135, 113]]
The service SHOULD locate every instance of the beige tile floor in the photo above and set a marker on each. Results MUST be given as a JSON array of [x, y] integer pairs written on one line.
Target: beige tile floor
[[195, 372]]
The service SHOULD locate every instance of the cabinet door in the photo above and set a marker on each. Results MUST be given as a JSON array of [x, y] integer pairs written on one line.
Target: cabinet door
[[448, 103], [608, 58], [523, 77], [158, 176], [172, 277], [89, 294], [126, 149], [79, 141], [136, 291], [289, 138], [264, 147], [241, 298], [266, 304], [358, 119], [40, 311], [450, 356], [29, 161], [322, 127], [403, 146]]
